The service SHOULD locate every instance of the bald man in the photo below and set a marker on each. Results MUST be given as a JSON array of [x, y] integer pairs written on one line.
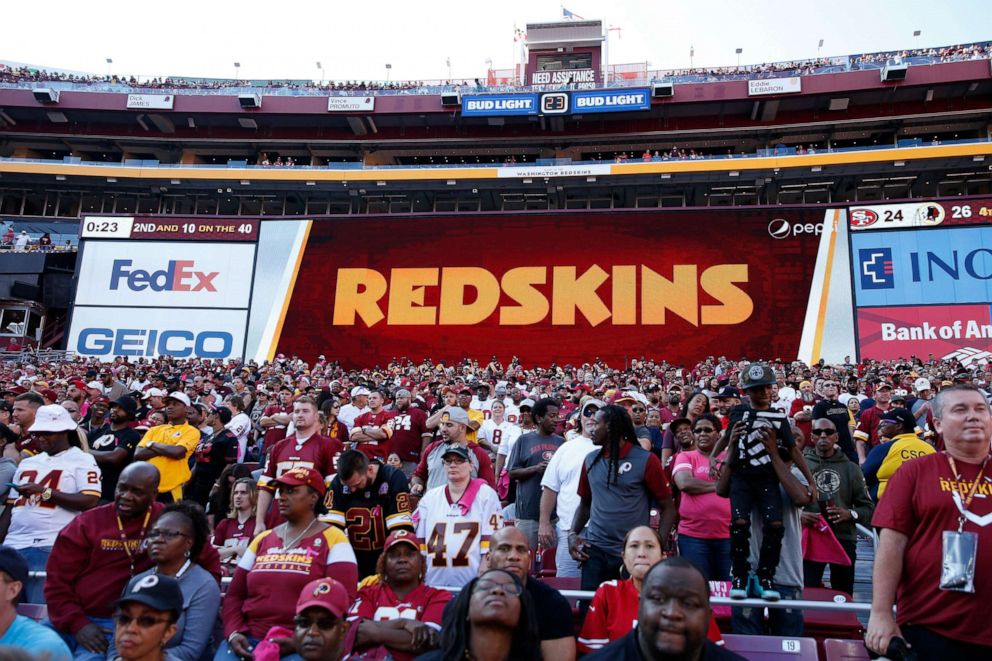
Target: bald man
[[95, 556]]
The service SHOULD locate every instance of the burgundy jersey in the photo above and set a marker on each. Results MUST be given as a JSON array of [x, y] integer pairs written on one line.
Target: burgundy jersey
[[381, 420], [409, 428], [318, 452], [379, 603]]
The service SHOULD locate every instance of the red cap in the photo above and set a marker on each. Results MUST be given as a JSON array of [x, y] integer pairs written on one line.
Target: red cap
[[302, 476], [401, 537], [49, 394], [324, 593], [78, 383]]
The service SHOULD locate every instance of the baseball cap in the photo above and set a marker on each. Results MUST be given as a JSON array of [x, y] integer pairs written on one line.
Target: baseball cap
[[52, 418], [899, 393], [324, 593], [400, 537], [529, 403], [13, 564], [456, 450], [900, 415], [49, 394], [624, 397], [728, 392], [754, 376], [302, 477], [455, 414], [127, 403], [154, 392], [402, 392], [884, 386], [156, 591], [179, 397], [95, 385], [465, 391], [358, 391], [81, 385], [922, 384]]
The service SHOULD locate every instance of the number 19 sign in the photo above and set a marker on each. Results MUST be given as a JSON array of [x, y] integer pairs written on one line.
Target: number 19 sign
[[192, 229]]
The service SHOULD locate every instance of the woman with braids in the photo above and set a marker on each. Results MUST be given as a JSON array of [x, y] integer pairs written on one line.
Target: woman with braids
[[176, 537], [493, 618], [396, 610], [619, 483]]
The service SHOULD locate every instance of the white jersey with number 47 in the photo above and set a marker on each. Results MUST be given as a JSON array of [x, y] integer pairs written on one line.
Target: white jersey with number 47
[[455, 535]]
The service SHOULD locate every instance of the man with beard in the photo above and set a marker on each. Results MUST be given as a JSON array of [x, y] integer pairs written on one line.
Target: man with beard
[[866, 435], [802, 407], [409, 431], [113, 447]]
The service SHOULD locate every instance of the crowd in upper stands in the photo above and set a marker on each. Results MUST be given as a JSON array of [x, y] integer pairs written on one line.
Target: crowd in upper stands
[[344, 503], [974, 51]]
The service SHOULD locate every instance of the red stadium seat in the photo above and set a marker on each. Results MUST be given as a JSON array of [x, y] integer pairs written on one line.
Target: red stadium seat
[[764, 648], [844, 650], [822, 624]]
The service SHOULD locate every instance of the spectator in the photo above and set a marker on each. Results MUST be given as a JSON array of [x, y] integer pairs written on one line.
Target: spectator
[[25, 406], [179, 535], [368, 500], [232, 534], [276, 418], [843, 502], [831, 407], [939, 615], [795, 492], [279, 562], [17, 631], [430, 472], [885, 459], [614, 501], [528, 461], [673, 619], [409, 433], [493, 612], [372, 430], [112, 388], [212, 454], [755, 482], [239, 424], [113, 449], [304, 448], [219, 504], [801, 409], [456, 521], [357, 406], [317, 637], [333, 428], [560, 485], [21, 243], [168, 447], [146, 618], [497, 429], [697, 405], [96, 554], [52, 488], [508, 550], [866, 435], [398, 611], [526, 424], [704, 517]]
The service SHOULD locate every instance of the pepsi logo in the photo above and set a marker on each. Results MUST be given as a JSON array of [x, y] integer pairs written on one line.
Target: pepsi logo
[[779, 228]]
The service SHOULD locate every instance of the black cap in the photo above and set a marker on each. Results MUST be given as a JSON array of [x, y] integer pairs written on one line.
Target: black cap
[[728, 392], [12, 564], [127, 403], [459, 450], [900, 415], [756, 375], [156, 591]]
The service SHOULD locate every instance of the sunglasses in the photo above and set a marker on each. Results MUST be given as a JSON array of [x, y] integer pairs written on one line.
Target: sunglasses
[[323, 623], [638, 409], [143, 621], [823, 432], [168, 535], [453, 460], [704, 430], [589, 411]]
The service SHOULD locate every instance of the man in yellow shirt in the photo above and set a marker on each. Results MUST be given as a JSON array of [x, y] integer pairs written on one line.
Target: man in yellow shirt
[[475, 418], [169, 446], [885, 459]]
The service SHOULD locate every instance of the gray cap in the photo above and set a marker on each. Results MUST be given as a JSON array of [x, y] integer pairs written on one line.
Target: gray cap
[[528, 402], [455, 414], [402, 392]]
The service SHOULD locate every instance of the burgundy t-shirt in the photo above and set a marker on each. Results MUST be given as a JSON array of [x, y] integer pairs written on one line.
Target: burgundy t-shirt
[[918, 503]]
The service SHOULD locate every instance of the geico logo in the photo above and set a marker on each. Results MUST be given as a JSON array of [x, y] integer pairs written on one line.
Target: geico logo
[[141, 342], [780, 228], [977, 264], [470, 295], [177, 276]]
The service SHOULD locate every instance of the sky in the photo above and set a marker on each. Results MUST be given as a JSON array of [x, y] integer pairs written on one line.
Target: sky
[[355, 40]]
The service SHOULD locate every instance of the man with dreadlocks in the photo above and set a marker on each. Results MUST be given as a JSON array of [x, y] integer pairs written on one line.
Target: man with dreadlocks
[[619, 483]]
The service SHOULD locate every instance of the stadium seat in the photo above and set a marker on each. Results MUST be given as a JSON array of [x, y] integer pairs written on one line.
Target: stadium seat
[[844, 650], [548, 567], [822, 624], [36, 612], [763, 648]]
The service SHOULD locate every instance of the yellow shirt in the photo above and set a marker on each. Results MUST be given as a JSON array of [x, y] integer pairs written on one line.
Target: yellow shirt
[[474, 416], [173, 472]]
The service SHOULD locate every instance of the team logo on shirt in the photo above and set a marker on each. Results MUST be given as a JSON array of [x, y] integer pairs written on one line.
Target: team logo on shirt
[[624, 467], [827, 481], [103, 441]]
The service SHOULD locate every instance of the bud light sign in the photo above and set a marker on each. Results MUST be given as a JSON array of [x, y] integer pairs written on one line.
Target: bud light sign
[[164, 274]]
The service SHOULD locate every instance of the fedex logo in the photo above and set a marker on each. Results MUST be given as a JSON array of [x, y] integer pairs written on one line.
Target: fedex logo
[[876, 268], [178, 275]]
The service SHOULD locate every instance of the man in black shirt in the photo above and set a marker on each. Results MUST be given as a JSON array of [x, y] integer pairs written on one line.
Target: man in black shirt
[[212, 455], [829, 407], [113, 445], [508, 551], [672, 620], [368, 500]]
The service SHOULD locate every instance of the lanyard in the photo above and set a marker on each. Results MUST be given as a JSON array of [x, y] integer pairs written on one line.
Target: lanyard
[[144, 527], [974, 485]]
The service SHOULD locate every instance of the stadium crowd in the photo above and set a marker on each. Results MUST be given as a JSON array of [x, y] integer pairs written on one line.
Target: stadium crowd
[[954, 53], [342, 505]]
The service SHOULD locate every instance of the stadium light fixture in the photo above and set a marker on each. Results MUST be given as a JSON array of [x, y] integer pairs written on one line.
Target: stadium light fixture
[[917, 33], [320, 72], [739, 51], [819, 47], [237, 69], [389, 67]]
